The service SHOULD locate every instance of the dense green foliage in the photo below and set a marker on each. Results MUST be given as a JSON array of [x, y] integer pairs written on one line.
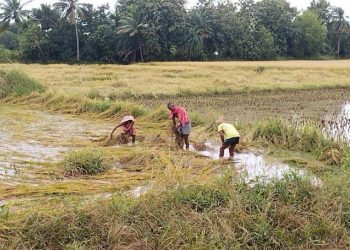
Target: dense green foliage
[[153, 30]]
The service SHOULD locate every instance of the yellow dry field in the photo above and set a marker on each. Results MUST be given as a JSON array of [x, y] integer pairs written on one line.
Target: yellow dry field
[[174, 77]]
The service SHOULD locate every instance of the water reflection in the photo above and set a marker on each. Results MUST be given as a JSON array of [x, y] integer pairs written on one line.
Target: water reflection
[[338, 127], [255, 167]]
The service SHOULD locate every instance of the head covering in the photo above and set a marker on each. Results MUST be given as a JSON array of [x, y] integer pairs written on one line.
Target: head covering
[[127, 118]]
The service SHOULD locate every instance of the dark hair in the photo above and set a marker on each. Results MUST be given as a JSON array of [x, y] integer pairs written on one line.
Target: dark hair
[[170, 104]]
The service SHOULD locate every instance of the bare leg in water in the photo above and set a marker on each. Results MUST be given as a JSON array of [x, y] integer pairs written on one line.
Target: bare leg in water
[[232, 150], [185, 137], [222, 149]]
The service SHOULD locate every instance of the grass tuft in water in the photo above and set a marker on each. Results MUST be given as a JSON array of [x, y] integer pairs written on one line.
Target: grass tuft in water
[[84, 162], [307, 138]]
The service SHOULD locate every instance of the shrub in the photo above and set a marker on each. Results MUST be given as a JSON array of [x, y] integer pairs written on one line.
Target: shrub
[[84, 162], [5, 55]]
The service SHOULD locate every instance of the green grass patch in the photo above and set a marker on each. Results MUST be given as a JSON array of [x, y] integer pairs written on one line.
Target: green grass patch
[[307, 138], [94, 106], [18, 84], [94, 94], [286, 214], [84, 162], [201, 198]]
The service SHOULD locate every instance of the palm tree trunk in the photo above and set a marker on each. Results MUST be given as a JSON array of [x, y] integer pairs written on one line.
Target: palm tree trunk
[[339, 38], [338, 50], [77, 36], [140, 48]]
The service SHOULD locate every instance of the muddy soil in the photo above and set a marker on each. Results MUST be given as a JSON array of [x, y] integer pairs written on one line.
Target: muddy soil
[[251, 107]]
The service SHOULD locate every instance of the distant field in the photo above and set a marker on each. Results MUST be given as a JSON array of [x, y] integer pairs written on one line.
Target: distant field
[[175, 77]]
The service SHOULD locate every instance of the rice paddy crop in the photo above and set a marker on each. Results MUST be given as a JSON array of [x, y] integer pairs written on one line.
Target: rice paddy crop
[[308, 138], [186, 78], [284, 214], [92, 193]]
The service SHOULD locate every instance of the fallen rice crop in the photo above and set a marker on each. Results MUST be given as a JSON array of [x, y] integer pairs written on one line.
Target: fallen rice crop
[[290, 213], [187, 206]]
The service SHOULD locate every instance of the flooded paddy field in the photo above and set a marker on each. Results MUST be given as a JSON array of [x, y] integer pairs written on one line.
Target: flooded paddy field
[[256, 167], [287, 180], [33, 142], [250, 107]]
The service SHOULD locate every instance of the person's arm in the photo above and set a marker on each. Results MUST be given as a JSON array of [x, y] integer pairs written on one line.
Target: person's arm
[[222, 136], [115, 128], [174, 121]]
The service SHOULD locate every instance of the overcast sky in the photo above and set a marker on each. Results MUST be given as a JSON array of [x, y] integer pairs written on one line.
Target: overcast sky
[[300, 4]]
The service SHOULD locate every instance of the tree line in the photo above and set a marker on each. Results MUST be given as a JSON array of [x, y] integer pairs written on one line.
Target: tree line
[[164, 30]]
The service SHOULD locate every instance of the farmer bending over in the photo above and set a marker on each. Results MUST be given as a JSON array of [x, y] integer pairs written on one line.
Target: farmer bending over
[[229, 137], [184, 127], [127, 124]]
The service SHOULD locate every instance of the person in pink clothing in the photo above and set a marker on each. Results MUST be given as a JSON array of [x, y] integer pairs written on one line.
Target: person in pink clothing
[[184, 126], [127, 124]]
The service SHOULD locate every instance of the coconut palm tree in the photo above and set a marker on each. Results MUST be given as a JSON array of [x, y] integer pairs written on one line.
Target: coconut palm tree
[[47, 16], [12, 11], [131, 27], [72, 10], [196, 34], [339, 25]]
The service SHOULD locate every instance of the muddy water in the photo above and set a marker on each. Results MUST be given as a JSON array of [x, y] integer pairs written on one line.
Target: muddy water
[[337, 126], [140, 190], [255, 167], [30, 138]]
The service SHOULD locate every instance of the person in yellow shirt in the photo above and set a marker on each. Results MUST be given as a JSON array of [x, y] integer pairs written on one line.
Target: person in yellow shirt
[[229, 137]]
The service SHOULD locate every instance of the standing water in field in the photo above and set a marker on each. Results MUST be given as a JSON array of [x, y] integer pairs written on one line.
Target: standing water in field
[[29, 139], [338, 126], [255, 167]]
